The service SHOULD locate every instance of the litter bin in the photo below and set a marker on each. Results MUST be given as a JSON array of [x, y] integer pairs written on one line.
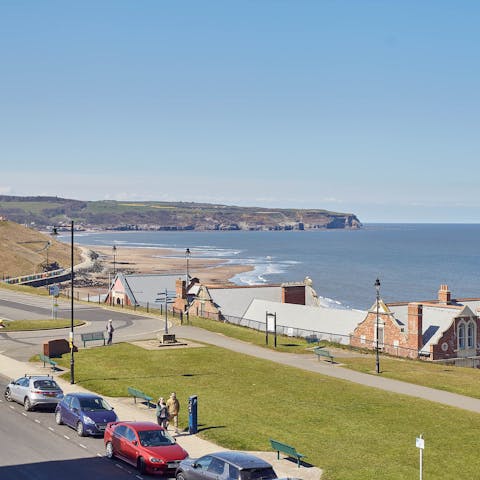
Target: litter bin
[[192, 414]]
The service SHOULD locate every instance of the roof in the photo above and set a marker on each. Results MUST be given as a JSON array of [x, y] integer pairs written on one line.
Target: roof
[[146, 288], [141, 425], [241, 460], [338, 323]]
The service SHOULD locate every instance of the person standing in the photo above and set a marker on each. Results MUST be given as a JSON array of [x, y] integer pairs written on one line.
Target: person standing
[[110, 331], [162, 413], [173, 406]]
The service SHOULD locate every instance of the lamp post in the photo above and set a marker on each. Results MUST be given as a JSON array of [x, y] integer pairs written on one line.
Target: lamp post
[[377, 358], [114, 249], [187, 257], [72, 360]]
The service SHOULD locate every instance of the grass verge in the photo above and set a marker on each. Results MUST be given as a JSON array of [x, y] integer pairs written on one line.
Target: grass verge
[[20, 325], [351, 431]]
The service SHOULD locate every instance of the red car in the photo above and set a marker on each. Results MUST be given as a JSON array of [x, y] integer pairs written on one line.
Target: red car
[[145, 445]]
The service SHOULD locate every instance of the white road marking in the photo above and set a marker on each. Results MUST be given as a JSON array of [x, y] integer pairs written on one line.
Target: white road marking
[[12, 407], [37, 420], [24, 414], [67, 437], [51, 429], [83, 446], [100, 455]]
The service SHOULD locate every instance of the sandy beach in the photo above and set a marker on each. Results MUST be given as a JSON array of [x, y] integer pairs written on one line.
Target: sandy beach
[[160, 260]]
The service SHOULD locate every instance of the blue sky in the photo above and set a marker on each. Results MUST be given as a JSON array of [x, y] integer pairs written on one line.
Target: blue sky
[[370, 107]]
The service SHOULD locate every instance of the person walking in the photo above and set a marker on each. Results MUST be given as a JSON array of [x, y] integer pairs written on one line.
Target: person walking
[[173, 406], [162, 413], [110, 331]]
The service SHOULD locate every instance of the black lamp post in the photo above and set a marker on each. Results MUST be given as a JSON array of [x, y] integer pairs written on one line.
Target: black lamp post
[[114, 249], [187, 257], [72, 360], [377, 357]]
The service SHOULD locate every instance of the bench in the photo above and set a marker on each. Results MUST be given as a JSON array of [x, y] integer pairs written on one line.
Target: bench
[[91, 337], [45, 359], [321, 352], [287, 449], [135, 393]]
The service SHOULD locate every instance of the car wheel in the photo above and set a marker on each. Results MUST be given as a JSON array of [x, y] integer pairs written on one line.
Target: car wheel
[[58, 418], [109, 450], [27, 404], [80, 430], [180, 476], [141, 465], [8, 395]]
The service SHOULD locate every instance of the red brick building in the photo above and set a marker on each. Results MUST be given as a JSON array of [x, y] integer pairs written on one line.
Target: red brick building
[[444, 328]]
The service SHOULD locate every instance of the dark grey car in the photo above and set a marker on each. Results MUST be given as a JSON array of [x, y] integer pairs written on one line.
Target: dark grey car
[[225, 466]]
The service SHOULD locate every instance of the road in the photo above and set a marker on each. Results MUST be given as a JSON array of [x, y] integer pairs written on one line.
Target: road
[[23, 345], [34, 447]]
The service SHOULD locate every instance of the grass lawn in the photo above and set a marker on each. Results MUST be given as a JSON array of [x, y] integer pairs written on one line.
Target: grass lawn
[[350, 431], [19, 325], [465, 381]]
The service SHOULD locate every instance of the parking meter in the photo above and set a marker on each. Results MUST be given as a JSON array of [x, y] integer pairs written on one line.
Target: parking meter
[[192, 414]]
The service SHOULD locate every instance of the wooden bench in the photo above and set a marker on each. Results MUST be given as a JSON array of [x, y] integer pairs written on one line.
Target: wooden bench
[[321, 352], [92, 337], [287, 449], [45, 359], [135, 393]]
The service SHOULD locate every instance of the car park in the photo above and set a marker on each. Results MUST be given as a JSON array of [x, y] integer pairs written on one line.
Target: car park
[[87, 413], [228, 465], [145, 445], [33, 391]]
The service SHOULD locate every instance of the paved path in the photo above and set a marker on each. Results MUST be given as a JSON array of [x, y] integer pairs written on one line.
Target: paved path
[[309, 363]]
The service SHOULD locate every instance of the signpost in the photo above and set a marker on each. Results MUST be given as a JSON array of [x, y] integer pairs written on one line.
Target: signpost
[[54, 291], [420, 444]]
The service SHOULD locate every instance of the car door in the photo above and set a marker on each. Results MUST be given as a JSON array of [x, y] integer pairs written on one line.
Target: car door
[[65, 409], [215, 470], [129, 446], [75, 412], [201, 466], [117, 436], [20, 389]]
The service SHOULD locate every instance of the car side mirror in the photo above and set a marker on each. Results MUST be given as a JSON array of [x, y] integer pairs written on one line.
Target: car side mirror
[[135, 442], [195, 465]]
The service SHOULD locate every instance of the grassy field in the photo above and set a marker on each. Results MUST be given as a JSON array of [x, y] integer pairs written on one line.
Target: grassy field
[[465, 381], [21, 325], [350, 431]]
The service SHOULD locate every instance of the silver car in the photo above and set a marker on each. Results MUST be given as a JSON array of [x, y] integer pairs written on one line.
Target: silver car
[[225, 465], [34, 390]]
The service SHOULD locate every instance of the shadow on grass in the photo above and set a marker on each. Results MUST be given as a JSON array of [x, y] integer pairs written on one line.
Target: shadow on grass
[[202, 428], [302, 462]]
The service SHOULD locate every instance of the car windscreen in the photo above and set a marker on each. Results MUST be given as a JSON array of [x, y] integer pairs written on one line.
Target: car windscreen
[[46, 385], [155, 438], [94, 403], [266, 473]]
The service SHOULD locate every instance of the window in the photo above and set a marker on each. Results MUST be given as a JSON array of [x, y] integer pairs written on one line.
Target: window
[[216, 466], [471, 334], [461, 335], [233, 472]]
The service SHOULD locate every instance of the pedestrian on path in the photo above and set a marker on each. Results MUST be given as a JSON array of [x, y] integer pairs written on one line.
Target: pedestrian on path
[[173, 406], [110, 331], [162, 413]]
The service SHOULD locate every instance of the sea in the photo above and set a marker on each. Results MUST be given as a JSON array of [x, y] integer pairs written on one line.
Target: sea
[[410, 260]]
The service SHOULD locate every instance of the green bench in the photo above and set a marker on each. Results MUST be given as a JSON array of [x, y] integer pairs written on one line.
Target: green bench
[[287, 449], [45, 359], [135, 393], [92, 337], [321, 352]]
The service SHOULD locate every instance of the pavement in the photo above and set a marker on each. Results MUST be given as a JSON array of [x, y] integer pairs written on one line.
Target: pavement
[[126, 409]]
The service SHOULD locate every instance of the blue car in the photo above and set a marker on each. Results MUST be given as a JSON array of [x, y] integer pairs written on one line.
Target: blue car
[[87, 413]]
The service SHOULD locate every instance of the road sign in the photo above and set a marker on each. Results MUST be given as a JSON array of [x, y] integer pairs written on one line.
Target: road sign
[[54, 290], [420, 442]]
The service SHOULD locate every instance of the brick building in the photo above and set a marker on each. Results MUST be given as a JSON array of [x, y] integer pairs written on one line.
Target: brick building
[[440, 329]]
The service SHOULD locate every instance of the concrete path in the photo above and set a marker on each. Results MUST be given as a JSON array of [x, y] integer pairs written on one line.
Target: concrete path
[[310, 363]]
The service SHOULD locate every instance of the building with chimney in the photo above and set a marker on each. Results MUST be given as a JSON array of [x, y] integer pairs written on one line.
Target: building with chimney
[[441, 329]]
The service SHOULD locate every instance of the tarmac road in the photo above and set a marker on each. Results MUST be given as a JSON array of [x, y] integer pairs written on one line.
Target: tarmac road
[[23, 345]]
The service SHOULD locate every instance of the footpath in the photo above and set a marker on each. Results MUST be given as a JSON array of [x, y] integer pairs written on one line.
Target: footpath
[[126, 409]]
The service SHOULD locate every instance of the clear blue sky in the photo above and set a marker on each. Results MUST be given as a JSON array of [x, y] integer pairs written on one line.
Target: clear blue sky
[[370, 107]]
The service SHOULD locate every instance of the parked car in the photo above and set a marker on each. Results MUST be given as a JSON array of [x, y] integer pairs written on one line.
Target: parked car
[[145, 445], [33, 391], [86, 412], [225, 465]]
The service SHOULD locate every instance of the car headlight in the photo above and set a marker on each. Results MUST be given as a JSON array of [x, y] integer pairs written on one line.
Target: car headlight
[[88, 420], [157, 460]]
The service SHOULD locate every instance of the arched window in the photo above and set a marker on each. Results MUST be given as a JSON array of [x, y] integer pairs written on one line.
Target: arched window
[[461, 336], [471, 335]]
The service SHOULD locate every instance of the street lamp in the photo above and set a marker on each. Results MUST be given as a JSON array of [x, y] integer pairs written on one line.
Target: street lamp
[[72, 360], [187, 257], [114, 249], [377, 358]]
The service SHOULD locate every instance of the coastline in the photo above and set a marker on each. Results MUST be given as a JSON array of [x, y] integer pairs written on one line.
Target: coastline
[[152, 260]]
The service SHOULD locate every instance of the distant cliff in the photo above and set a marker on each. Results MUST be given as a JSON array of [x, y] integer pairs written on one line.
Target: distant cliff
[[47, 211]]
